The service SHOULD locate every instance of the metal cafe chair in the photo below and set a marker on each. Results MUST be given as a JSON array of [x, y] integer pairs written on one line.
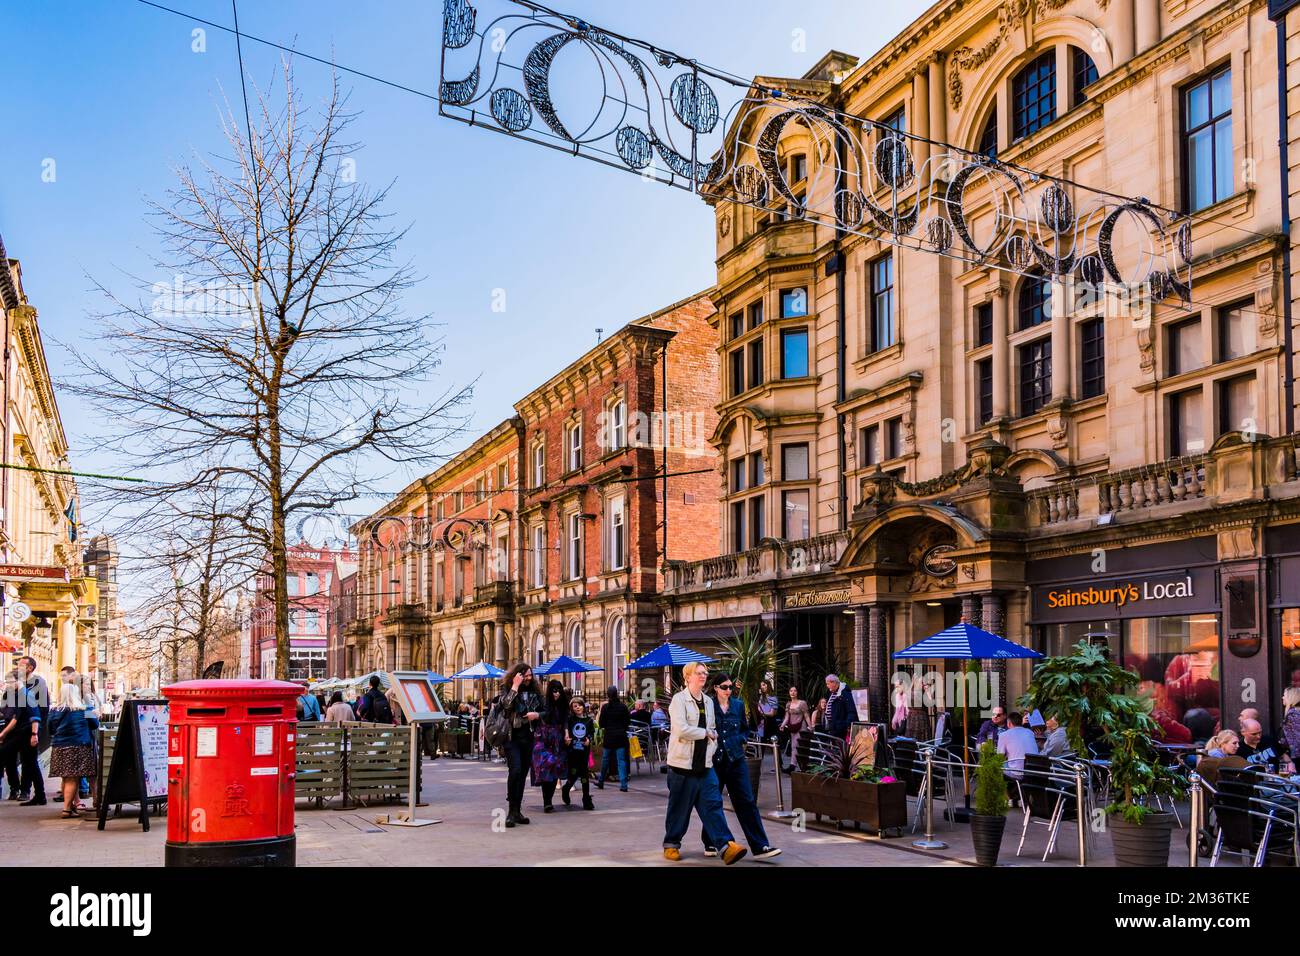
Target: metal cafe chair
[[1047, 797], [1234, 826], [1257, 817]]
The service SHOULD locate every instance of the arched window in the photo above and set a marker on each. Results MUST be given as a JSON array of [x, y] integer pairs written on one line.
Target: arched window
[[539, 649], [989, 138], [1085, 74], [618, 653], [1033, 96], [457, 668], [573, 642], [1033, 305]]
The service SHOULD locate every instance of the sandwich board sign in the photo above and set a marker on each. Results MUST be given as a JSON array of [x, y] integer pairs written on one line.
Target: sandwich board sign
[[137, 772]]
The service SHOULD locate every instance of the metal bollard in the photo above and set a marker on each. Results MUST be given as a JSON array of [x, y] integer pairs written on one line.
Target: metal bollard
[[1195, 823], [929, 843], [1081, 814]]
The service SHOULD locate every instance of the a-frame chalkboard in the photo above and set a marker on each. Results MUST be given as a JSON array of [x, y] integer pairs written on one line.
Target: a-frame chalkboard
[[137, 772]]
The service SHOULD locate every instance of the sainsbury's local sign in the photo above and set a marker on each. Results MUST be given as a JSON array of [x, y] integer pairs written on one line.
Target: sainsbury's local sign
[[1154, 596]]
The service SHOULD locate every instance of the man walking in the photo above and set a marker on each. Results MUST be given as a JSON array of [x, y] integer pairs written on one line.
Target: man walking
[[840, 710], [692, 784], [33, 733], [12, 710]]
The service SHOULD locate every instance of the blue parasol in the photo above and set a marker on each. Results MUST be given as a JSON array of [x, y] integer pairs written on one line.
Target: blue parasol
[[668, 654]]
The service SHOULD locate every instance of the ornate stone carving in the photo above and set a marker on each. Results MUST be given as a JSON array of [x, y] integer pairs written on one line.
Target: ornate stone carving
[[1058, 429], [878, 489], [1146, 349], [1011, 16]]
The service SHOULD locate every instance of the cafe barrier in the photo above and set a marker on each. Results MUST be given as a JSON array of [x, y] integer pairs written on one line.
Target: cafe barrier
[[929, 843], [1194, 822]]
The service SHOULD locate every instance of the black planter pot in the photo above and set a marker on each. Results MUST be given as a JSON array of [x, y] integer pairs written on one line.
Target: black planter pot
[[1145, 845], [986, 834]]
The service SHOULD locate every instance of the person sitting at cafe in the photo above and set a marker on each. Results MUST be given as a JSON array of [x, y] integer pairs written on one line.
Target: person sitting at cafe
[[1057, 743], [1254, 740], [1223, 744], [992, 728], [1014, 743]]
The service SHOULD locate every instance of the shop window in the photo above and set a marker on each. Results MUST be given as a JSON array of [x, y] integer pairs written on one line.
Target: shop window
[[1184, 349], [1207, 140], [1034, 302], [984, 387], [989, 138], [794, 303], [794, 462], [1237, 404], [794, 515], [882, 304], [1085, 74], [984, 324], [1235, 338], [1177, 663], [1291, 647], [1035, 375], [1033, 96], [1092, 336], [737, 372], [618, 652], [756, 364], [1186, 428], [794, 353]]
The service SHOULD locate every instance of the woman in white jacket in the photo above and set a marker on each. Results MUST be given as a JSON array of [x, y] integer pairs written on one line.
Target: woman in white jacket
[[692, 784]]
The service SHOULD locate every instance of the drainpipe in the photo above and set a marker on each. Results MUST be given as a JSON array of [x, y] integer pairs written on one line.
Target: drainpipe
[[841, 347], [1288, 346]]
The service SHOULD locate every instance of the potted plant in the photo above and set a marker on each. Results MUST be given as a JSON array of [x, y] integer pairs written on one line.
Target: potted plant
[[751, 658], [1087, 692], [989, 818], [852, 787]]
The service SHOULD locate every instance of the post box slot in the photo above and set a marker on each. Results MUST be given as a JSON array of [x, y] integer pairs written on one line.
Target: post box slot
[[205, 711], [265, 711]]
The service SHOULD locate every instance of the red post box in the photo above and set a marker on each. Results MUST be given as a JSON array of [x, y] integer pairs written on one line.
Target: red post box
[[230, 773]]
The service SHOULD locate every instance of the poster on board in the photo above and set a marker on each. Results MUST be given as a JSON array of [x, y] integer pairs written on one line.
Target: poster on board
[[137, 772]]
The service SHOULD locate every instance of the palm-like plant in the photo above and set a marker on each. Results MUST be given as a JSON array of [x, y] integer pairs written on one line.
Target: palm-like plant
[[855, 760], [749, 658]]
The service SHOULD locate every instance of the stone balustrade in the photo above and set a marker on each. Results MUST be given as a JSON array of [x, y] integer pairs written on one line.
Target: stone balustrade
[[771, 559]]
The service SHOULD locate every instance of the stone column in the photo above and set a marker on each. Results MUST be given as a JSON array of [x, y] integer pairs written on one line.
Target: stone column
[[920, 119], [1121, 32], [1146, 24], [1060, 342], [499, 653], [970, 609], [1001, 355], [993, 623], [860, 625], [938, 101], [878, 668]]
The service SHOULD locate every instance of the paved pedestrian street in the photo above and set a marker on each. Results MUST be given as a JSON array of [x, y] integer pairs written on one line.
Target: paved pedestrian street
[[468, 795]]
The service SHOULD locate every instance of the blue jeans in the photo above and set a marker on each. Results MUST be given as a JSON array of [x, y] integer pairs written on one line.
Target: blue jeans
[[701, 794], [734, 775], [621, 753]]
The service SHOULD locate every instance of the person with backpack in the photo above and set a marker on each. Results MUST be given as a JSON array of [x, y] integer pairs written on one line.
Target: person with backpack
[[309, 706], [519, 709], [374, 707]]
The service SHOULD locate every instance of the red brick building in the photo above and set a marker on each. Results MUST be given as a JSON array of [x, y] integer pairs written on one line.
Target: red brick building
[[342, 612], [436, 566], [310, 576], [619, 477]]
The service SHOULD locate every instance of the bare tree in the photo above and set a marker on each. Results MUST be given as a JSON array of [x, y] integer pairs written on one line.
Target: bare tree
[[279, 361]]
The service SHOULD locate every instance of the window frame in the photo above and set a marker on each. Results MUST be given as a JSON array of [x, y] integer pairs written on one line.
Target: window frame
[[1211, 123], [883, 299], [1092, 368], [1044, 86], [786, 336], [1032, 404], [786, 449]]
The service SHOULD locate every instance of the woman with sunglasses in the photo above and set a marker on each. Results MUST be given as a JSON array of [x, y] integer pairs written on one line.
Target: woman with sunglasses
[[733, 772]]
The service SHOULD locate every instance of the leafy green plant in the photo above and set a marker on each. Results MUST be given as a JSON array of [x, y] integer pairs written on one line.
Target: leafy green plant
[[749, 657], [1086, 690], [855, 761], [990, 782]]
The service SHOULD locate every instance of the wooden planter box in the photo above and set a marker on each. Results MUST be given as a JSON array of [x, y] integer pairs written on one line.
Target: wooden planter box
[[456, 745], [876, 806]]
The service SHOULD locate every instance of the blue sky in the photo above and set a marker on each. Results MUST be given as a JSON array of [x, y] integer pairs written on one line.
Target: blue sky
[[113, 94]]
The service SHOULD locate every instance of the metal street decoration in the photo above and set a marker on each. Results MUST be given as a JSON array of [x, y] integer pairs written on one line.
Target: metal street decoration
[[534, 74]]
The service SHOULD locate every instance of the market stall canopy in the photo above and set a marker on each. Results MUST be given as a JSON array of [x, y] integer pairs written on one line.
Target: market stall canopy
[[668, 654], [480, 671], [966, 642], [565, 665], [364, 680]]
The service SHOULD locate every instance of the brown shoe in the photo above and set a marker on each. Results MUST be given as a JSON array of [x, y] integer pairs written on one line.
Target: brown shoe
[[674, 855], [733, 852]]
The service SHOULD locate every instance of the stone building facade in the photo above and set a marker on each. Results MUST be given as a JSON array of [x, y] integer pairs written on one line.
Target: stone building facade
[[42, 569], [310, 574], [906, 439]]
